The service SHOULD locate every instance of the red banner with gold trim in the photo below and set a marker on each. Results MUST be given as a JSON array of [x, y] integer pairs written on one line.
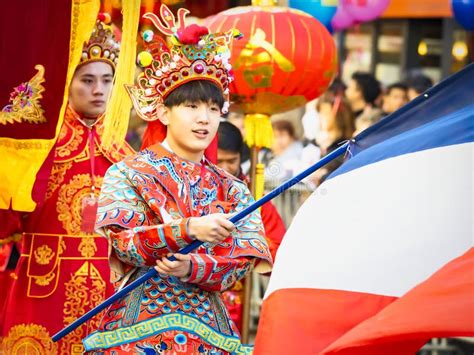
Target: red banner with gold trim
[[39, 51], [34, 58]]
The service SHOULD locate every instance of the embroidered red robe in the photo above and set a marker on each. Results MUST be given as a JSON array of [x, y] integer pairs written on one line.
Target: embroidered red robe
[[62, 272], [146, 202]]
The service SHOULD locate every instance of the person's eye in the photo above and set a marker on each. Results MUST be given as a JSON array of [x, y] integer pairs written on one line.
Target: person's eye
[[191, 105], [87, 81], [215, 109], [107, 81]]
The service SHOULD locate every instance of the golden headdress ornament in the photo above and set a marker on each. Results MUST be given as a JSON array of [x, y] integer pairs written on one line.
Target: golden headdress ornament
[[194, 54], [102, 45]]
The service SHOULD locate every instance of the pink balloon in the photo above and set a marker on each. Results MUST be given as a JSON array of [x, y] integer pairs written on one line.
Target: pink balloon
[[365, 10], [342, 19]]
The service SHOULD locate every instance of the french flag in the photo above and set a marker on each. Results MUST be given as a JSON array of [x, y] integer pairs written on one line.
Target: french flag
[[379, 259]]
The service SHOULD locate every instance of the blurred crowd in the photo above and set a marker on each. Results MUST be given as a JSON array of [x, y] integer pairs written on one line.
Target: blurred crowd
[[341, 113], [303, 136]]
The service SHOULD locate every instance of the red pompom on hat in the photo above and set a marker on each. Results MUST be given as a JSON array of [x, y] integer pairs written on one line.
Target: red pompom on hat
[[104, 17], [192, 34]]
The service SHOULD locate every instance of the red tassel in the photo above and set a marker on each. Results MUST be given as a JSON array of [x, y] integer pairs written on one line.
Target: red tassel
[[155, 132], [211, 152]]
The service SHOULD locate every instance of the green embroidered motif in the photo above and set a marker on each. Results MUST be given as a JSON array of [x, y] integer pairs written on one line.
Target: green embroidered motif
[[154, 326], [176, 231]]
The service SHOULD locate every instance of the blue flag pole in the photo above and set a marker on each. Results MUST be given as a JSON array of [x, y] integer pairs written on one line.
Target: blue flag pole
[[152, 272]]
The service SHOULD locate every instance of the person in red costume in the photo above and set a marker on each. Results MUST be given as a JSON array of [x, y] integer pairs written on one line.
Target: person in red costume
[[171, 194], [229, 157], [63, 268]]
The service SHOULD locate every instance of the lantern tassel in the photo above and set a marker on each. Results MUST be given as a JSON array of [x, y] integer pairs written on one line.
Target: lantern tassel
[[258, 130], [259, 180]]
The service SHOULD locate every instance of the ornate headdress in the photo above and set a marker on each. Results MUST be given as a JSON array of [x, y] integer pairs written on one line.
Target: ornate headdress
[[193, 54], [102, 45]]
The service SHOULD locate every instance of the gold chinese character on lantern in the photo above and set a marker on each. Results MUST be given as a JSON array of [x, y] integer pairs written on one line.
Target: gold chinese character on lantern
[[256, 60]]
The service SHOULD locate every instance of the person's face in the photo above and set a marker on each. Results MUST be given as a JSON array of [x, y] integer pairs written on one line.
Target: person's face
[[326, 116], [412, 94], [353, 92], [90, 88], [191, 127], [281, 140], [229, 161], [395, 99]]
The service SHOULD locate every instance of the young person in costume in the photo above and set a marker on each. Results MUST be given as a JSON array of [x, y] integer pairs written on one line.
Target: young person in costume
[[63, 266], [169, 195], [229, 158]]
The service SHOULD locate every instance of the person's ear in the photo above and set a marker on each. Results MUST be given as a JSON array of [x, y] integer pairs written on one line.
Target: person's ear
[[165, 116]]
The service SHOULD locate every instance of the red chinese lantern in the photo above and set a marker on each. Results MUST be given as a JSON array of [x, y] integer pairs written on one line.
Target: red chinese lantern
[[286, 58]]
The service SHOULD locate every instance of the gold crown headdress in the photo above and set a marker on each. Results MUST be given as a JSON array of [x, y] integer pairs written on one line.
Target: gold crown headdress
[[102, 45], [194, 54]]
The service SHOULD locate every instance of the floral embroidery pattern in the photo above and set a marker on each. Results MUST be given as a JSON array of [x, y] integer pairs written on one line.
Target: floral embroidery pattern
[[43, 255], [29, 339], [24, 101]]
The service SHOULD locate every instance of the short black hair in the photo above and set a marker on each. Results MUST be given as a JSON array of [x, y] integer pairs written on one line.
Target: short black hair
[[419, 82], [369, 86], [195, 91], [400, 86], [229, 137], [337, 86]]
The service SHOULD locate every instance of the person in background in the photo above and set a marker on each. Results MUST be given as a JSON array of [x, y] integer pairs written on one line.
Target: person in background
[[286, 152], [395, 97], [136, 129], [418, 84], [362, 93], [230, 144], [238, 119], [311, 125], [337, 126], [310, 122], [63, 268]]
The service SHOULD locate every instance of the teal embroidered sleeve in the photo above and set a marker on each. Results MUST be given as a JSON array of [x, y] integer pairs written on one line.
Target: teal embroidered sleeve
[[217, 273]]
